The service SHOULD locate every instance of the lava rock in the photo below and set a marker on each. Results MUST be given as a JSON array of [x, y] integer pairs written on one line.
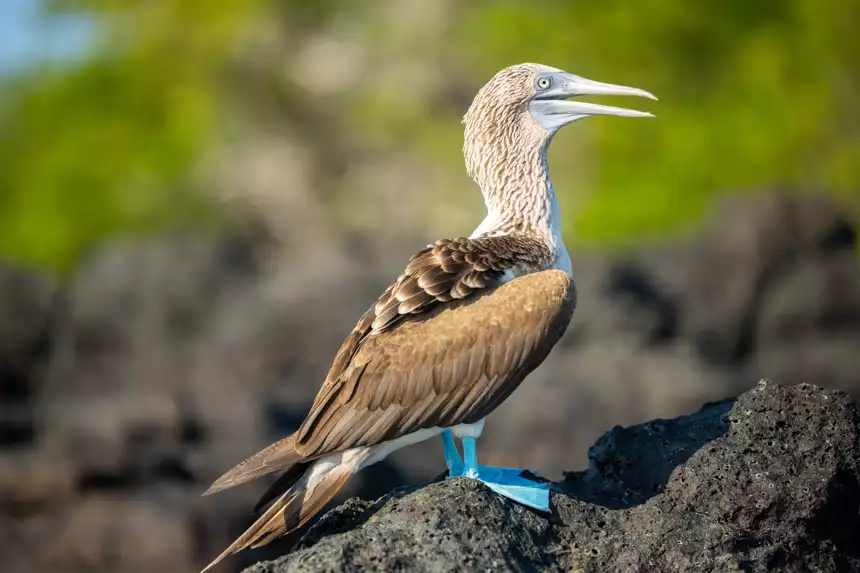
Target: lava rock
[[767, 482]]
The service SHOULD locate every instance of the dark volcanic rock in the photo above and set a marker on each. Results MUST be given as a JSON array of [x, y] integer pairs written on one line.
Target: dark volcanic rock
[[767, 482]]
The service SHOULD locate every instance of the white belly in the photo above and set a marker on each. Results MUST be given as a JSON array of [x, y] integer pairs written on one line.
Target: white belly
[[469, 430], [381, 451]]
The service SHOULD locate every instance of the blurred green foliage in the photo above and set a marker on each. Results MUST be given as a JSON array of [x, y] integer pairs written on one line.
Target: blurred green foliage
[[107, 145], [755, 94]]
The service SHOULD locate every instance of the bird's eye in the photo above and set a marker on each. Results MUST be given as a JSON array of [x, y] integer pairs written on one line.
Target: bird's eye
[[543, 83]]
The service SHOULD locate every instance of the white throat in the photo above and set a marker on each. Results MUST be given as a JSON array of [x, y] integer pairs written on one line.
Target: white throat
[[532, 211]]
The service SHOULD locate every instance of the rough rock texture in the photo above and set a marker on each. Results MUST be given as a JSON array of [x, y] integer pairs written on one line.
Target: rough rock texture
[[767, 482], [159, 363]]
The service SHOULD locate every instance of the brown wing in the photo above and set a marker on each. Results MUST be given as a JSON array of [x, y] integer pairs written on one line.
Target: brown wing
[[374, 360], [452, 364]]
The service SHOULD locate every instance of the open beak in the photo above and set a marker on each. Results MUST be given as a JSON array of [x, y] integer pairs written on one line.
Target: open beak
[[576, 86], [553, 111]]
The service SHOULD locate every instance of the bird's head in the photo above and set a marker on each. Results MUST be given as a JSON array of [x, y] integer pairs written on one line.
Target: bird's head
[[524, 105], [542, 93]]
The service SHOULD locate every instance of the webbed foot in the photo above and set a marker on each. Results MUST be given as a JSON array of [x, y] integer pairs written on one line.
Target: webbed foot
[[510, 483], [507, 482]]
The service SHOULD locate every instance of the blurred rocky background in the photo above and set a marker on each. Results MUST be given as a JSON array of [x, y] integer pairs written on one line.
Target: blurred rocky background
[[199, 198]]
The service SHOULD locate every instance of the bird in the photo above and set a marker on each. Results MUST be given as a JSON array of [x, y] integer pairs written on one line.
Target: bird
[[461, 327]]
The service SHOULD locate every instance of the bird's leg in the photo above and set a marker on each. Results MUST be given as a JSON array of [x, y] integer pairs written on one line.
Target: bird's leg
[[507, 482], [470, 455], [452, 456]]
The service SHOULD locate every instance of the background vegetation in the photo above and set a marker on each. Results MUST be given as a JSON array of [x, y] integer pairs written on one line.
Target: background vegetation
[[344, 115]]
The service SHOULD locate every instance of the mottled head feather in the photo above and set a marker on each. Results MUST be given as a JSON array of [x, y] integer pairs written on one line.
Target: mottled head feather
[[507, 92]]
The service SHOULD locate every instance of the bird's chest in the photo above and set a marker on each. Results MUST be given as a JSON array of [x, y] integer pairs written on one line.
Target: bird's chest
[[557, 259], [562, 259]]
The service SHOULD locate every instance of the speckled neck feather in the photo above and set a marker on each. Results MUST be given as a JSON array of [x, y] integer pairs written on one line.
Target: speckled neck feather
[[505, 151]]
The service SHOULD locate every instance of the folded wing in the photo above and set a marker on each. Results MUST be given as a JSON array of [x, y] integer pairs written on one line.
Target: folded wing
[[445, 344]]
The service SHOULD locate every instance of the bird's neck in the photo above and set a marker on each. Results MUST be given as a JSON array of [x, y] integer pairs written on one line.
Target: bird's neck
[[518, 193], [506, 154]]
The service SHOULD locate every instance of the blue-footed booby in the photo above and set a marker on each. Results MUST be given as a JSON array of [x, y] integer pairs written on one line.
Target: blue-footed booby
[[460, 328]]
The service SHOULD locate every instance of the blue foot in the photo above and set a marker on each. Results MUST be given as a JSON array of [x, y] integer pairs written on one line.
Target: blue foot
[[510, 483], [506, 482]]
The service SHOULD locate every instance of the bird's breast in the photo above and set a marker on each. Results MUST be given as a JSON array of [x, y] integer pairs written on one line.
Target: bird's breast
[[562, 259]]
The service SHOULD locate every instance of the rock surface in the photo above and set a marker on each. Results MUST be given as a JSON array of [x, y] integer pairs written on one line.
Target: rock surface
[[767, 482]]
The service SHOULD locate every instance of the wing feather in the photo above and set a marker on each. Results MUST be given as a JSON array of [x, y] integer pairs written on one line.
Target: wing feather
[[432, 276], [381, 428], [378, 393], [416, 413]]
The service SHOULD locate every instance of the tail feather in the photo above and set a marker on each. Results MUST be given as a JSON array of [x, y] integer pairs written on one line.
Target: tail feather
[[305, 498], [283, 484], [282, 454]]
